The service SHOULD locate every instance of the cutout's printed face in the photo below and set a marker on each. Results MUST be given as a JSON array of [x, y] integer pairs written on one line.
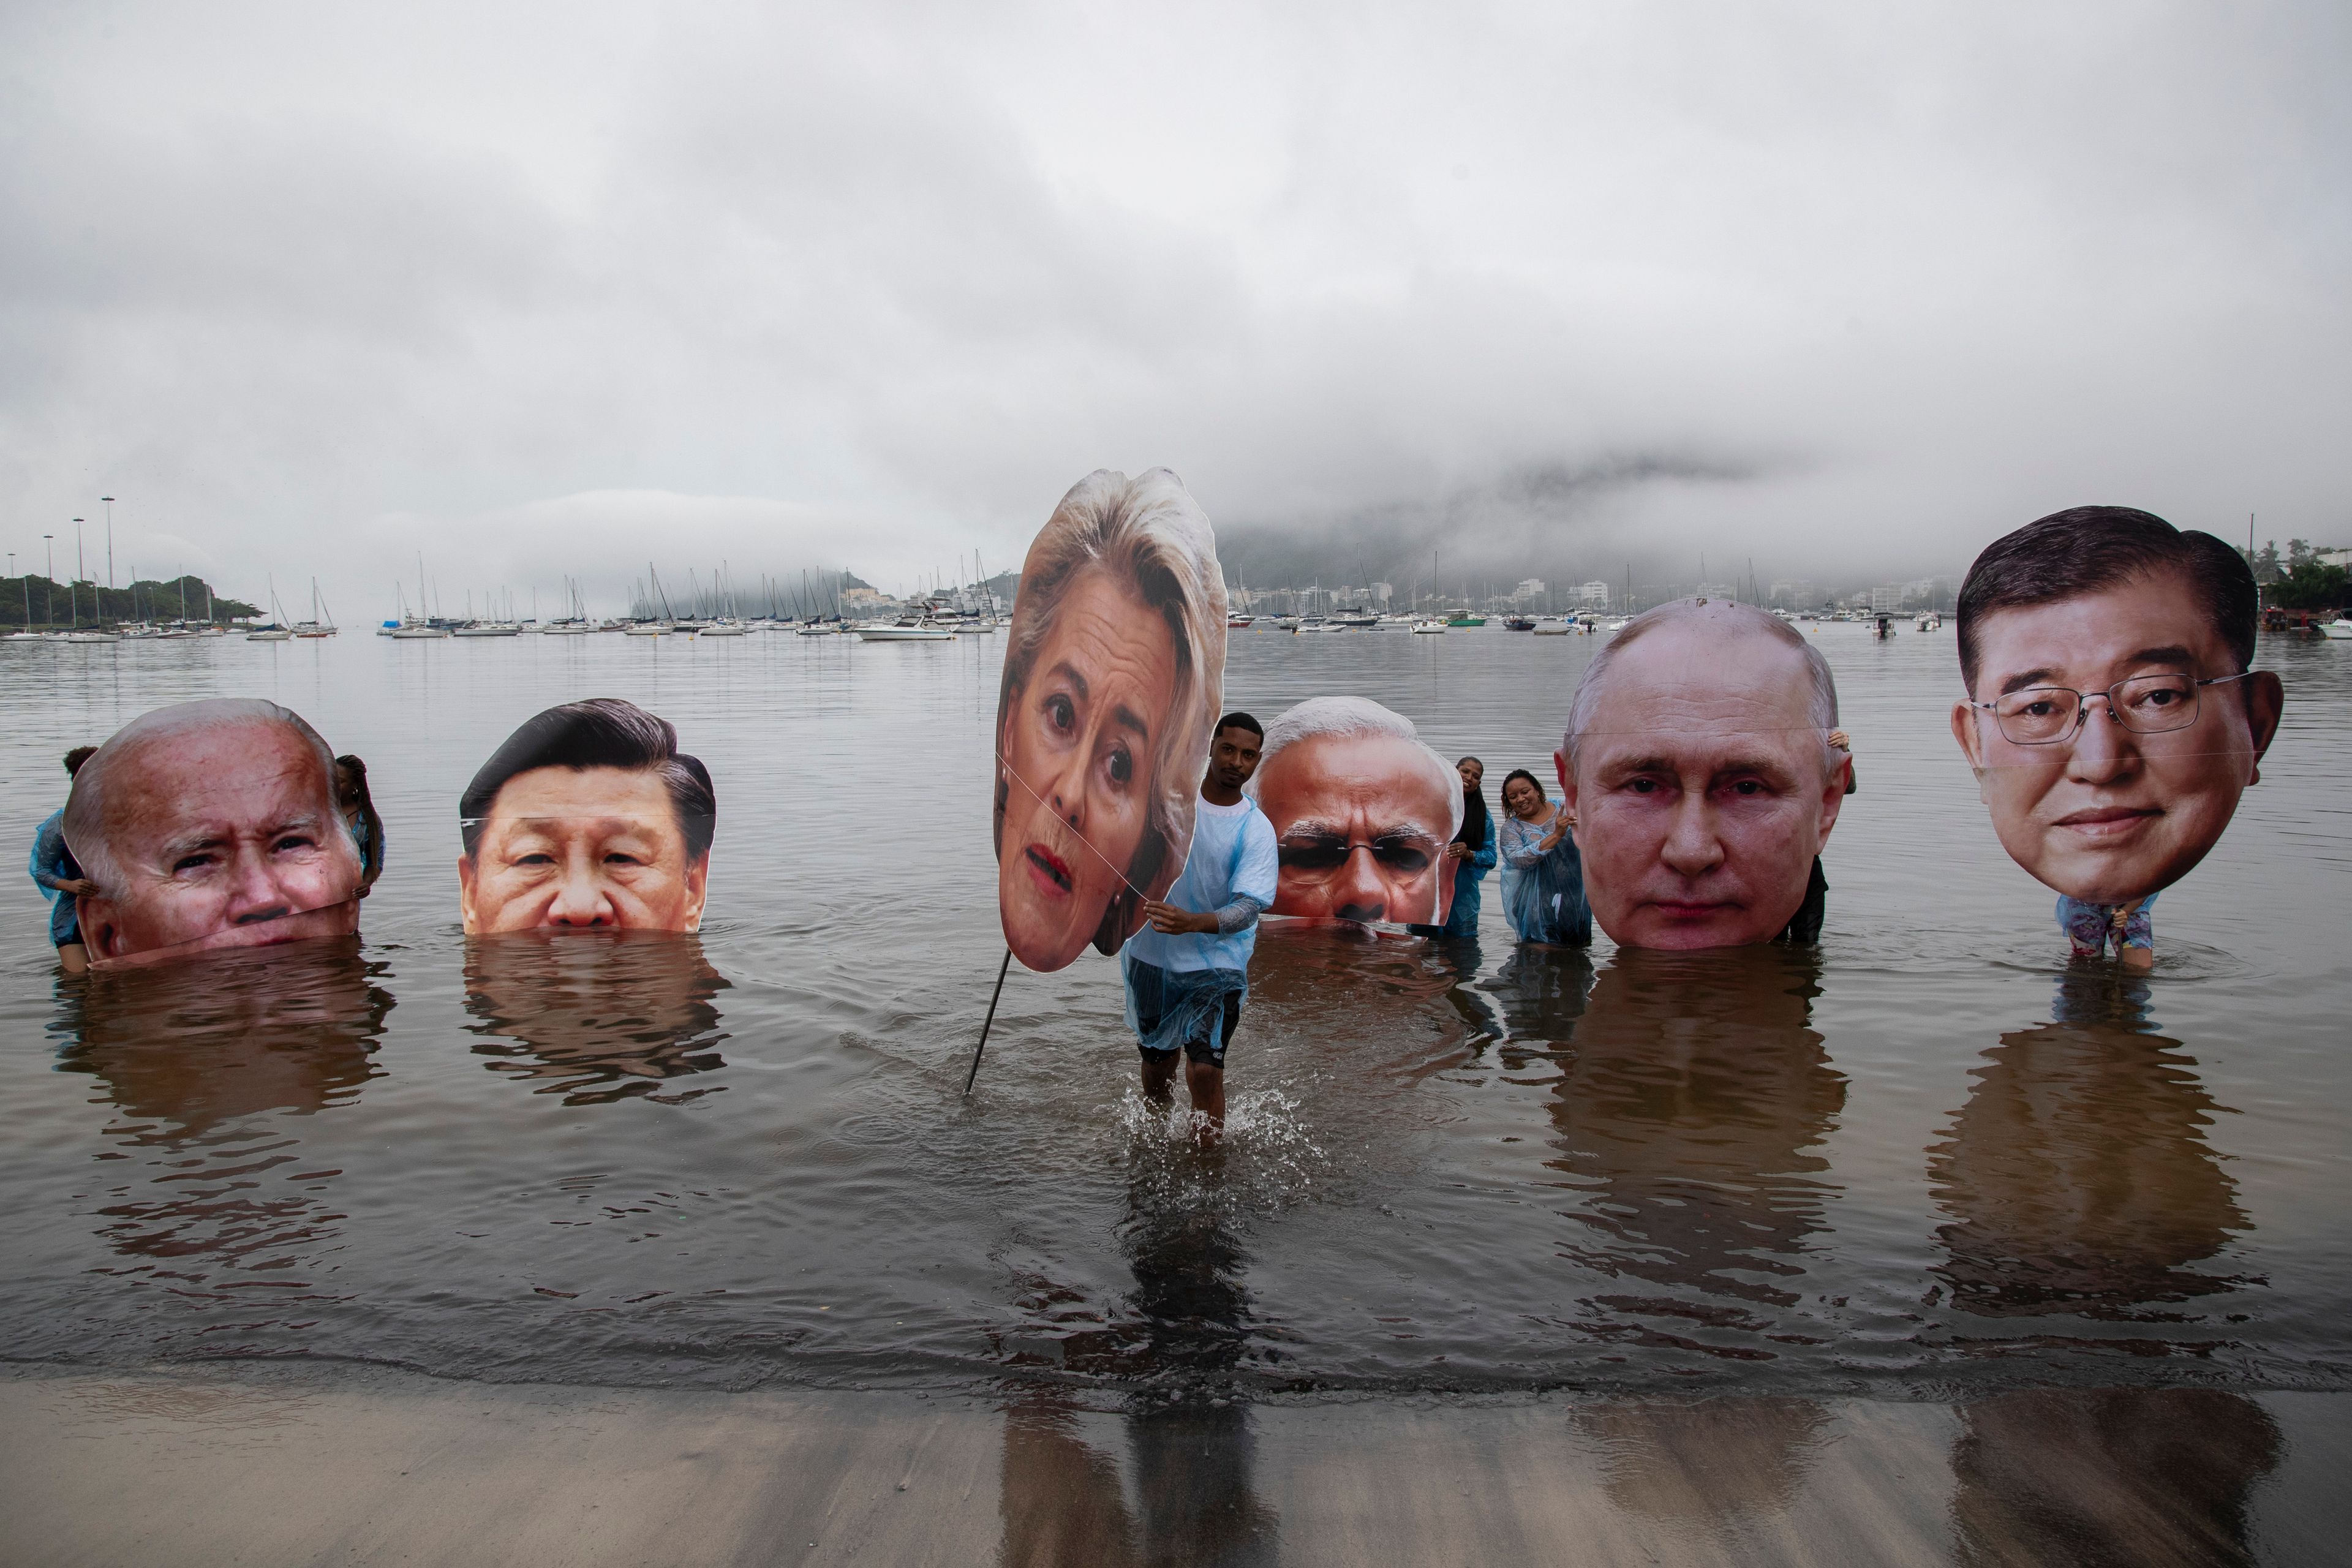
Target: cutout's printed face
[[1362, 822], [1080, 740], [586, 848], [221, 836], [1700, 791], [2107, 814]]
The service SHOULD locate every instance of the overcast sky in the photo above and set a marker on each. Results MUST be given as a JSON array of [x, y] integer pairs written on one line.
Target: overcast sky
[[553, 289]]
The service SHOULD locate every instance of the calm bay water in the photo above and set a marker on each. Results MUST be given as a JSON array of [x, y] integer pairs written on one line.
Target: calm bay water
[[1926, 1161]]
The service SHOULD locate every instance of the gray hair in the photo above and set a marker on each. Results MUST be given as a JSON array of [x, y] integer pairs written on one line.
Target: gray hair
[[1150, 534], [1731, 619], [85, 819], [1319, 716]]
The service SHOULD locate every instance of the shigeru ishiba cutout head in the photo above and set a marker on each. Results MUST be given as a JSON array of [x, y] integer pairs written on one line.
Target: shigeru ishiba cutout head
[[1698, 768], [1362, 812], [588, 818], [2111, 716], [1113, 673], [211, 825]]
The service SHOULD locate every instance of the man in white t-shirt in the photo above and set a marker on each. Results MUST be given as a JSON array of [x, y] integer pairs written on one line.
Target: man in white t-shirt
[[1187, 969]]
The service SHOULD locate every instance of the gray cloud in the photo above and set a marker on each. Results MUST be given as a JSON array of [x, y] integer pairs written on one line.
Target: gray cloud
[[546, 290]]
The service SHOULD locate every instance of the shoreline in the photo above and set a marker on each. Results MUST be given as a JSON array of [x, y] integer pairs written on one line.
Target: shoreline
[[202, 1465]]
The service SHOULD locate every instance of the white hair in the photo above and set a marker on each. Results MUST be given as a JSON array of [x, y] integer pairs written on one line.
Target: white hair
[[1731, 620], [85, 820], [1319, 716]]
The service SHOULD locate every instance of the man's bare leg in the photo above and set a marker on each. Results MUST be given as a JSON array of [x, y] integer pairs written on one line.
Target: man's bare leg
[[74, 956], [1207, 1083], [1160, 1078]]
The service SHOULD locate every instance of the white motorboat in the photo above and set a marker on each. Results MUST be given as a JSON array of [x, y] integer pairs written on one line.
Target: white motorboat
[[90, 637], [1238, 622], [919, 631], [975, 628], [644, 629], [487, 629], [1429, 627], [269, 633], [2337, 630], [724, 627], [1554, 629]]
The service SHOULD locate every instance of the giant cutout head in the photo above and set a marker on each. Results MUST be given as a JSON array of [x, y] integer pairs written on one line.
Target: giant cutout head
[[207, 826], [588, 818], [2110, 717], [1113, 673], [1698, 768], [1362, 811]]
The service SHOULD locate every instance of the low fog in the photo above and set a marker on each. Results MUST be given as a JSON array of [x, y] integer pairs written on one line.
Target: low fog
[[537, 292]]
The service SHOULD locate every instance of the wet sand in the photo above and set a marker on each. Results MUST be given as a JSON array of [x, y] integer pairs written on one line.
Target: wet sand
[[199, 1467]]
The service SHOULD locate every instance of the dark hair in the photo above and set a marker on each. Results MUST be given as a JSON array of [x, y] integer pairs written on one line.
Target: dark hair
[[2090, 549], [601, 732], [1475, 823], [78, 756], [1239, 722], [352, 796], [1503, 794]]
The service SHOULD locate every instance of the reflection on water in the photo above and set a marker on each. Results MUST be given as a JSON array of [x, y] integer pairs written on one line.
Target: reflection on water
[[2106, 1477], [2077, 1176], [1190, 1449], [596, 1015], [1723, 1462], [1688, 1114], [200, 1064]]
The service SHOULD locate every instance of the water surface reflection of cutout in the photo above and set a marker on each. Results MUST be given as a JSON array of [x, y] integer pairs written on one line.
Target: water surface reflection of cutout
[[2077, 1175], [2110, 1476], [596, 1015], [1689, 1113], [203, 1066]]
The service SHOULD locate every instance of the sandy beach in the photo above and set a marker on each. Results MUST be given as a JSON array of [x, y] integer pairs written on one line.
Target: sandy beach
[[198, 1467]]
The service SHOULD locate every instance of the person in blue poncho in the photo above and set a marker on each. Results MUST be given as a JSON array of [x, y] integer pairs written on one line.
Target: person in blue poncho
[[1187, 970], [59, 876]]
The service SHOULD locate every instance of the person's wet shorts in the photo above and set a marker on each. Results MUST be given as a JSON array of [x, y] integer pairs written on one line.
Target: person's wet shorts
[[1219, 1024]]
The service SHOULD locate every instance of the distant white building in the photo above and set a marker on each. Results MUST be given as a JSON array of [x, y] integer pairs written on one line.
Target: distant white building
[[1886, 598], [1796, 592], [1383, 592], [2336, 558], [1592, 595], [1529, 590]]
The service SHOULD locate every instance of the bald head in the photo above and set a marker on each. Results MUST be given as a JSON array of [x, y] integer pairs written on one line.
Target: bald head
[[1698, 767], [211, 824]]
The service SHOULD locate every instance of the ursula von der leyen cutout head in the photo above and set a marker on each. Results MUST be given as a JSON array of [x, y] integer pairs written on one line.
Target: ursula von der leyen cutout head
[[1112, 676], [2111, 716], [589, 817], [1362, 811], [207, 826], [1698, 767]]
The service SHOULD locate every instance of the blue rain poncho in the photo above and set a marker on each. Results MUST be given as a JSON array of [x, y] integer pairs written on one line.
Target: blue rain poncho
[[1543, 891]]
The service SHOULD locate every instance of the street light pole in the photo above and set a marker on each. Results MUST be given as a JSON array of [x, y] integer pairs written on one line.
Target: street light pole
[[49, 583]]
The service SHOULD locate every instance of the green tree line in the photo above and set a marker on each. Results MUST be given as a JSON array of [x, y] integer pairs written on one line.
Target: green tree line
[[43, 603], [2302, 581]]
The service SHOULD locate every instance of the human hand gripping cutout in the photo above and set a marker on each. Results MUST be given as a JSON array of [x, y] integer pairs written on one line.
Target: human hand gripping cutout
[[2111, 716]]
